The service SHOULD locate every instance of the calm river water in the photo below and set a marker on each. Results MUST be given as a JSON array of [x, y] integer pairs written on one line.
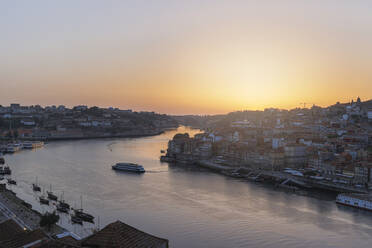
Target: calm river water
[[190, 207]]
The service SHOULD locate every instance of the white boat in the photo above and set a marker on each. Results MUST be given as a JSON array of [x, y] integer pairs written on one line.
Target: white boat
[[129, 167], [32, 145], [12, 148], [27, 145], [362, 201]]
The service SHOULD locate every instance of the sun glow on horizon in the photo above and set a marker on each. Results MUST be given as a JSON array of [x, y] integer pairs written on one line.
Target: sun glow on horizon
[[186, 58]]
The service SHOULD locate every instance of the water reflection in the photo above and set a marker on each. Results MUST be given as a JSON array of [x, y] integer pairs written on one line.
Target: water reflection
[[190, 206]]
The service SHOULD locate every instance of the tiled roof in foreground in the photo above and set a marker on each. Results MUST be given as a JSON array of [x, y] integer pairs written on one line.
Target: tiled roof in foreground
[[8, 229], [24, 238], [121, 235]]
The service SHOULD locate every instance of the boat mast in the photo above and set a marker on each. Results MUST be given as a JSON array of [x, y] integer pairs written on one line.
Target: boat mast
[[98, 224], [62, 196]]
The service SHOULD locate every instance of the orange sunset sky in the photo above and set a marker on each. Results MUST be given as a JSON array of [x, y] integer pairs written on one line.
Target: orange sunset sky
[[185, 57]]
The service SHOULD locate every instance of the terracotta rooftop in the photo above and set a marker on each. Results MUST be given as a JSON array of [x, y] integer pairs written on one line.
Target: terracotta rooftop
[[58, 243], [9, 229], [23, 238], [121, 235]]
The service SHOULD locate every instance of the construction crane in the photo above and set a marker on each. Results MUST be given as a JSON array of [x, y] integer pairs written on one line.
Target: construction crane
[[304, 103]]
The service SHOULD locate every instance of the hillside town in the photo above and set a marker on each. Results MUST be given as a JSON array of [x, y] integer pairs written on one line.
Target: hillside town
[[59, 122], [313, 148], [328, 148]]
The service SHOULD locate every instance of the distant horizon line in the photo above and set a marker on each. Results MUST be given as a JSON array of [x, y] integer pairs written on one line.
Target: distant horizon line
[[179, 114]]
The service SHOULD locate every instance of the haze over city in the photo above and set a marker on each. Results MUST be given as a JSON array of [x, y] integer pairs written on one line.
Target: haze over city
[[183, 57]]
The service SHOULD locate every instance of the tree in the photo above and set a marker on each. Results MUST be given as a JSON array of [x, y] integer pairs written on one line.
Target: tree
[[49, 219]]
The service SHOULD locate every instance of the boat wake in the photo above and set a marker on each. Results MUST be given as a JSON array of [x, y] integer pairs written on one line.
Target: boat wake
[[109, 146], [156, 171]]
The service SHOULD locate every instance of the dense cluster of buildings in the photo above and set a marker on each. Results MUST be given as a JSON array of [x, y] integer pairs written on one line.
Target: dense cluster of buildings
[[332, 144], [60, 122]]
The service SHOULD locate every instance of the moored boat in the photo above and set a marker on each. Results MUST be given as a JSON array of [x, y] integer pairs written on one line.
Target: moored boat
[[5, 170], [60, 208], [35, 187], [84, 216], [166, 159], [32, 145], [62, 202], [130, 167], [11, 181], [43, 200], [52, 196], [76, 220], [26, 204], [27, 145], [362, 201], [12, 148]]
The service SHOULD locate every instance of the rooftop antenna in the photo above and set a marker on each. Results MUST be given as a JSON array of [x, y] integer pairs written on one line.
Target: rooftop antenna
[[304, 104], [99, 224]]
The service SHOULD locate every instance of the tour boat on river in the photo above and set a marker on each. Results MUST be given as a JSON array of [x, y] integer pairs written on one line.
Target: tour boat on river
[[362, 201], [130, 167]]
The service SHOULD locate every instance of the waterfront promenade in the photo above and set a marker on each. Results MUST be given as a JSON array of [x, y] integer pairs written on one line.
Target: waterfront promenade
[[278, 176], [11, 207]]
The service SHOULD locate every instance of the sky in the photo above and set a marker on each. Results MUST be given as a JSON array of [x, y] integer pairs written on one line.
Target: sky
[[185, 57]]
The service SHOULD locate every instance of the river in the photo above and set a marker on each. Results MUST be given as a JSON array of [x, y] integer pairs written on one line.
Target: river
[[191, 207]]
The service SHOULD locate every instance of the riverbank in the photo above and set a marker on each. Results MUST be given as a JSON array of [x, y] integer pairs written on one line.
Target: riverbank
[[104, 136], [12, 207], [19, 225], [192, 207], [89, 136], [277, 178]]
